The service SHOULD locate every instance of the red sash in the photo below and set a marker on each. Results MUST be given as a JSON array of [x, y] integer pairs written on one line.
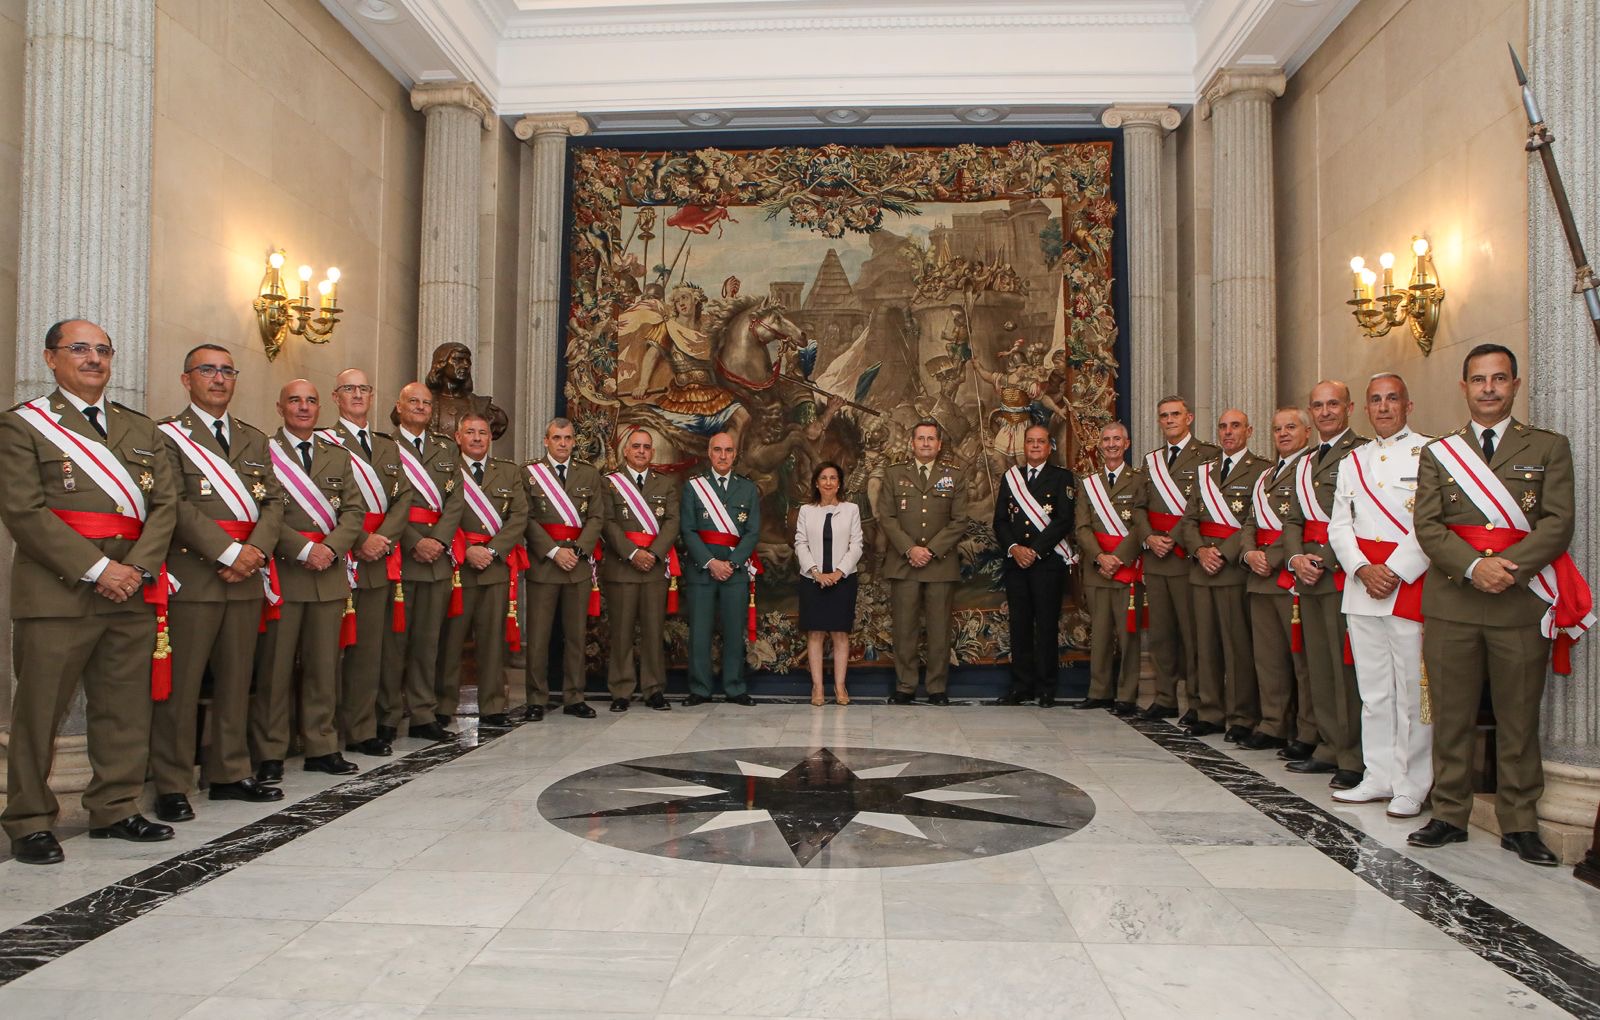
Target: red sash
[[727, 541], [94, 526], [1128, 574], [370, 523], [1408, 600], [642, 539], [422, 515], [1317, 531], [568, 533], [1574, 601], [1164, 523], [1264, 538], [347, 624], [1215, 529], [517, 560], [239, 531]]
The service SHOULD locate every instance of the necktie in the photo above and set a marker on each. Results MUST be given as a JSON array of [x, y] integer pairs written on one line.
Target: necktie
[[722, 483], [222, 437], [561, 473], [1488, 444], [924, 474], [639, 481], [477, 473], [827, 543], [1322, 451], [93, 414], [417, 442], [1111, 479], [1033, 474], [1172, 455], [305, 454], [362, 436], [1281, 463], [1227, 465]]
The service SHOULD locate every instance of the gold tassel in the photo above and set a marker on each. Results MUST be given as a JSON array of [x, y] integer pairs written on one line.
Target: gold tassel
[[1426, 714]]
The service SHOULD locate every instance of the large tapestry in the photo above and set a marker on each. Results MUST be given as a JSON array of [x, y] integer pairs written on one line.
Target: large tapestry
[[818, 302]]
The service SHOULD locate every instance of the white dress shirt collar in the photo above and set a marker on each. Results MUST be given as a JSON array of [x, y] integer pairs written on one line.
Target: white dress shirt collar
[[354, 429], [1395, 440], [1500, 428], [210, 424], [410, 439], [100, 405]]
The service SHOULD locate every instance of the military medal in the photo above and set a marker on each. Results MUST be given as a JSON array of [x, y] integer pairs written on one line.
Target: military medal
[[1237, 505], [1453, 498], [147, 481], [69, 481], [743, 516], [205, 486], [661, 511], [1049, 509], [1283, 508], [258, 491], [1126, 515], [1411, 502], [333, 501], [449, 484], [1530, 499]]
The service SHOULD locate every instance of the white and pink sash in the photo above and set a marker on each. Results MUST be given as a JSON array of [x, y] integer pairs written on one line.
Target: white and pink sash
[[1100, 503], [302, 489], [225, 481], [1171, 494], [1306, 491], [419, 477], [636, 503], [1216, 504], [366, 476], [546, 479], [92, 456], [481, 505], [1034, 511]]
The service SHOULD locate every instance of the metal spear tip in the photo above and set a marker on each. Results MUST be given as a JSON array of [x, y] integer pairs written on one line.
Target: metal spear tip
[[1522, 76]]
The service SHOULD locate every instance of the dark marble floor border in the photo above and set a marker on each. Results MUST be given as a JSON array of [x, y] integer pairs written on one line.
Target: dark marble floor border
[[1563, 976], [33, 943]]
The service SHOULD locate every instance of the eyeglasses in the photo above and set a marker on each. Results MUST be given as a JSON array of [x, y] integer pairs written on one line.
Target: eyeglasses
[[211, 371], [82, 350], [353, 388]]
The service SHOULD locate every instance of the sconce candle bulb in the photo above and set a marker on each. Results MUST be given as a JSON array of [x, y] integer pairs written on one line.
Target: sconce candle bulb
[[1417, 304], [278, 315]]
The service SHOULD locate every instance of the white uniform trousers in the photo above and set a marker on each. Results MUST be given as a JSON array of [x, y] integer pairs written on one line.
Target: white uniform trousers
[[1395, 745]]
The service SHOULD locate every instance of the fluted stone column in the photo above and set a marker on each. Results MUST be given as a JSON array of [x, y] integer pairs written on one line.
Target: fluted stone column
[[1244, 322], [547, 135], [1152, 346], [85, 226], [1563, 372], [447, 300]]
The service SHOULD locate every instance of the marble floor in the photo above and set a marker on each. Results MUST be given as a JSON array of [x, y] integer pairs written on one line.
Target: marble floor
[[789, 861]]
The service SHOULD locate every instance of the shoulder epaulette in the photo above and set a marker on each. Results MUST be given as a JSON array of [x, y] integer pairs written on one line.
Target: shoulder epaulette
[[125, 407], [502, 460], [247, 425], [170, 417]]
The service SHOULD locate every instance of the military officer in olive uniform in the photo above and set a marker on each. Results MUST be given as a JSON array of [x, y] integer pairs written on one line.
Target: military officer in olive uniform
[[84, 560], [1035, 571], [1110, 526], [1335, 699], [321, 523], [1484, 620], [431, 463], [230, 510], [565, 515], [637, 572], [1169, 482], [494, 519], [923, 510], [720, 539], [1282, 678], [1211, 531]]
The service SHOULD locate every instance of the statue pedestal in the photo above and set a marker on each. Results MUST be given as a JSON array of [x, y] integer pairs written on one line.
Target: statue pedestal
[[1570, 843]]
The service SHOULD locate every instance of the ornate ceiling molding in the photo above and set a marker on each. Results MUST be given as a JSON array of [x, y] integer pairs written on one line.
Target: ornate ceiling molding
[[1157, 115], [454, 93], [669, 23]]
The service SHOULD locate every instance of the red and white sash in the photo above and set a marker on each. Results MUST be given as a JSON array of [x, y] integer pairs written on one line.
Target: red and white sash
[[481, 505], [636, 503], [1166, 487], [540, 472], [366, 476], [1100, 503], [1265, 517], [1034, 511], [1215, 503], [1393, 520], [225, 481], [92, 456], [1307, 492], [302, 489], [419, 477], [713, 505], [1490, 495]]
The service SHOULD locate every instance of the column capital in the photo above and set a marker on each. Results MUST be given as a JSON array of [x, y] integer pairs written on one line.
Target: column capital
[[430, 95], [1266, 84], [1131, 115], [564, 124]]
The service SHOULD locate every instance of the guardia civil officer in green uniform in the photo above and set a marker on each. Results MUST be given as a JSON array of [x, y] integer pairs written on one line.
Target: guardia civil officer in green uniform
[[923, 510], [90, 500], [721, 519], [1495, 509], [1336, 701], [230, 509]]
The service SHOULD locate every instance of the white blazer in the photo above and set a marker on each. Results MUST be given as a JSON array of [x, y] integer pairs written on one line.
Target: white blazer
[[1392, 465], [847, 540]]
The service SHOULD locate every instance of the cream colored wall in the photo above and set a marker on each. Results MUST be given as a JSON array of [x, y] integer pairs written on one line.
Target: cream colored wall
[[11, 63], [1407, 120], [275, 129]]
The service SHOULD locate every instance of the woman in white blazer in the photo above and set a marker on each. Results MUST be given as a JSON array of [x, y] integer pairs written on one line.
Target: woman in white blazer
[[827, 546]]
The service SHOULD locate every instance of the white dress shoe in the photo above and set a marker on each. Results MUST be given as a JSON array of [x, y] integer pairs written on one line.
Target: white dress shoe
[[1362, 793], [1404, 807]]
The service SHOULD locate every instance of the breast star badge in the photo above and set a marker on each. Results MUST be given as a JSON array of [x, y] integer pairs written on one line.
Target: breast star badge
[[661, 511], [1411, 503], [1283, 507], [147, 481], [1126, 515], [334, 501], [449, 484], [1530, 499], [1237, 505], [258, 491], [743, 516]]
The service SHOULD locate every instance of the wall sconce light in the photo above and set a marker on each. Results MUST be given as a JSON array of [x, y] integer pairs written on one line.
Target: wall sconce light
[[1417, 304], [278, 315]]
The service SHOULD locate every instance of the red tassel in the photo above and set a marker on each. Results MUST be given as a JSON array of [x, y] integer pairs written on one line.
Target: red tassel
[[397, 622], [1133, 611], [161, 663], [752, 620], [1297, 640], [1561, 654], [672, 596], [347, 626], [1349, 656], [456, 606], [594, 600], [513, 631]]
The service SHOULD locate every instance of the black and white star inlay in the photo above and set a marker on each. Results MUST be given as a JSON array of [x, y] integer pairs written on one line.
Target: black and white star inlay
[[809, 807]]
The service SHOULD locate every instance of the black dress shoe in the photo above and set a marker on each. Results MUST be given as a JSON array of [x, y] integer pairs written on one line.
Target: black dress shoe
[[1237, 734], [270, 771], [1047, 701], [1121, 708], [658, 702], [619, 704], [1188, 718], [1311, 766], [1261, 742], [37, 848], [388, 734], [496, 720], [1436, 834], [1013, 697], [173, 807], [533, 713], [135, 829], [1297, 750], [902, 698], [442, 720], [1158, 712], [939, 699], [1529, 847], [333, 764], [695, 699], [1201, 728], [246, 789], [1094, 703], [374, 747], [741, 699], [580, 709], [1344, 779], [432, 731]]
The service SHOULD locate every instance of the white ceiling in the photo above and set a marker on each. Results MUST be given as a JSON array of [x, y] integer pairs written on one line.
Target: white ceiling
[[653, 64]]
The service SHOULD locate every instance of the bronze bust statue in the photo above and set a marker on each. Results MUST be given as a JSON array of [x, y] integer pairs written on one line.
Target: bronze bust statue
[[450, 379]]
